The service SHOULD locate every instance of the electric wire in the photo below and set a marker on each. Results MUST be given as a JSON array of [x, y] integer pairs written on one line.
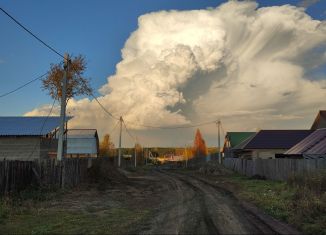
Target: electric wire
[[104, 109], [32, 34], [42, 127], [113, 129], [22, 86], [172, 127], [128, 132], [150, 126]]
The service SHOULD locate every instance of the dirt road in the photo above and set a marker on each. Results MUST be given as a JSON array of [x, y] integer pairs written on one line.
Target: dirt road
[[193, 206], [150, 202]]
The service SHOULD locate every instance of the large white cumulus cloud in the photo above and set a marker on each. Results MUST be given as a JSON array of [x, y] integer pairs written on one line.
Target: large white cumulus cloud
[[252, 67]]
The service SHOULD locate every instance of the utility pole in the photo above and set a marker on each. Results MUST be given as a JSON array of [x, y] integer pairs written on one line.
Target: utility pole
[[135, 155], [119, 157], [60, 151], [146, 156], [219, 141], [186, 155]]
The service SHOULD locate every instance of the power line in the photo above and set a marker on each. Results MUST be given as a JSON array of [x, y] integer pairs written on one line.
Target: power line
[[108, 112], [22, 86], [42, 127], [128, 132], [113, 129], [149, 126], [104, 109], [173, 127], [32, 34]]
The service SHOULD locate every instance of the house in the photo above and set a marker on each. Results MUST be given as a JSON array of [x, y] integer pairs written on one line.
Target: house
[[28, 138], [320, 120], [82, 143], [268, 143], [313, 146], [233, 139]]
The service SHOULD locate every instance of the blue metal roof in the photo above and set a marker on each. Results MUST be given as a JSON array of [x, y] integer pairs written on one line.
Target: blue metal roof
[[277, 139], [28, 126]]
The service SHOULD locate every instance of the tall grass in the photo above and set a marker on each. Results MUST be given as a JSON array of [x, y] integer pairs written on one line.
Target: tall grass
[[312, 181], [309, 201]]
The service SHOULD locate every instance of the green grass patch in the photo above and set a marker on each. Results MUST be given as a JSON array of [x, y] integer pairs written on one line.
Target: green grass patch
[[112, 221], [300, 202]]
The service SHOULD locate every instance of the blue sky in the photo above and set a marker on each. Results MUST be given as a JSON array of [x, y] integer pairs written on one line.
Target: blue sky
[[96, 29]]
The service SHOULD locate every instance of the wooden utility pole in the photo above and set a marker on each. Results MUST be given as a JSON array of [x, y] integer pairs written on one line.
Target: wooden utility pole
[[60, 151], [119, 157]]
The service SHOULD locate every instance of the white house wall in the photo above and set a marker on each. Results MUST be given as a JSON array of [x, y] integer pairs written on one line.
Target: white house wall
[[266, 153]]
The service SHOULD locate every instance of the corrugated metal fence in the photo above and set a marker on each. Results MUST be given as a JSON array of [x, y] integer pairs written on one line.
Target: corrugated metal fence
[[274, 169], [19, 175]]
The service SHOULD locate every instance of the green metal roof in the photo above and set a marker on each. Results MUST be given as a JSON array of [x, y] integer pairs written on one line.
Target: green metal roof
[[236, 138]]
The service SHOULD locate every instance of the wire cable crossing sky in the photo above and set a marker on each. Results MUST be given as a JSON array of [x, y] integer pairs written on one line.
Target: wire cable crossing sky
[[252, 65]]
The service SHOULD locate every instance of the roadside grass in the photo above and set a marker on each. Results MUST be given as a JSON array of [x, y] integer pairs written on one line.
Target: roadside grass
[[301, 201], [34, 212], [43, 221]]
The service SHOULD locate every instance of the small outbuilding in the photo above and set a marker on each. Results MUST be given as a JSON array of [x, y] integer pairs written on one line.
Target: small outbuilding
[[28, 138], [82, 143]]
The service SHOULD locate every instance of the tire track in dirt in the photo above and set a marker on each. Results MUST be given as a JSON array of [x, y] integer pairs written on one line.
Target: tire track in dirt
[[210, 227], [219, 209]]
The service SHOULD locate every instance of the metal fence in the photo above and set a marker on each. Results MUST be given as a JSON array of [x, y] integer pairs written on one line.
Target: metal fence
[[274, 169]]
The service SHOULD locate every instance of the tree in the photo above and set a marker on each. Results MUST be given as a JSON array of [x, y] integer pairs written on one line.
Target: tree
[[199, 148], [107, 148], [76, 83]]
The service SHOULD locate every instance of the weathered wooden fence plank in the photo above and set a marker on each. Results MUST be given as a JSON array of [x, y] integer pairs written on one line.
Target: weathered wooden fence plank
[[274, 169], [18, 175]]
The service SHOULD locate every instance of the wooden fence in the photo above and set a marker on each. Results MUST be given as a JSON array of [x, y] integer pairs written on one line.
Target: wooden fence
[[19, 175], [274, 169]]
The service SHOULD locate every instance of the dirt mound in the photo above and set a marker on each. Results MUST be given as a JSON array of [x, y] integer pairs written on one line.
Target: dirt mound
[[103, 171], [214, 168]]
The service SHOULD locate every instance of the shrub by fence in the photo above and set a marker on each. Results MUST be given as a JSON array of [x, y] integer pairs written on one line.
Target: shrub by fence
[[274, 169], [19, 175]]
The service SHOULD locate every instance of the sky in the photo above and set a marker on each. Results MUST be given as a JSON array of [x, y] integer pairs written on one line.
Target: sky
[[254, 65]]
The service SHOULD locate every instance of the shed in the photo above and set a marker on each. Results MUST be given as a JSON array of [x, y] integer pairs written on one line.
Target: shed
[[266, 143], [313, 146], [27, 138], [320, 120], [82, 143]]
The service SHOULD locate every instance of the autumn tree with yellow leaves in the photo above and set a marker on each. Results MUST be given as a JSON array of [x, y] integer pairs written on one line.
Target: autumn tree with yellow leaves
[[107, 148]]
